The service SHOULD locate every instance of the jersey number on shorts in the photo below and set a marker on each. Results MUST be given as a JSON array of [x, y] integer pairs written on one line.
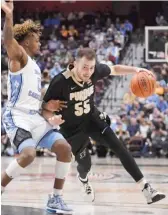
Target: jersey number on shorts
[[82, 108]]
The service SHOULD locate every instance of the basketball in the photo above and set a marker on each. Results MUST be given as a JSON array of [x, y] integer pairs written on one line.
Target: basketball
[[143, 84]]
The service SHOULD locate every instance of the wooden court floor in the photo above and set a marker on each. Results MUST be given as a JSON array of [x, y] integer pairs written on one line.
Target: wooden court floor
[[116, 192]]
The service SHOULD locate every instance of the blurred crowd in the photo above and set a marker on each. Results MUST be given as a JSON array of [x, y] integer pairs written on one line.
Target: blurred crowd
[[142, 124], [161, 20], [63, 35]]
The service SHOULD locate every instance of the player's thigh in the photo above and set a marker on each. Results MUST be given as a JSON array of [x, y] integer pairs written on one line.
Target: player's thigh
[[40, 127], [78, 142], [18, 129], [50, 138], [96, 133]]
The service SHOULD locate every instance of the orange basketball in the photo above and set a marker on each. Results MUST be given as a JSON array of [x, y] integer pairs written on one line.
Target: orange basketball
[[143, 84]]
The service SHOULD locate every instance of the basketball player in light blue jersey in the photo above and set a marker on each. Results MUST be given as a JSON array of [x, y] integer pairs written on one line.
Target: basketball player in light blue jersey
[[25, 127]]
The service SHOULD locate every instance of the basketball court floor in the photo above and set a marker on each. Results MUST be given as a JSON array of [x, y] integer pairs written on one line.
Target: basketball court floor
[[116, 192]]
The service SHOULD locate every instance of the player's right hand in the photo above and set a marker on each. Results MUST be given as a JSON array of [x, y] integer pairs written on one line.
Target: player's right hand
[[56, 105], [7, 7], [56, 120]]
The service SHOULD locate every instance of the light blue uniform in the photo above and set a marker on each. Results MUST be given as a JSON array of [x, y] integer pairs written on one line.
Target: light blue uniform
[[22, 111]]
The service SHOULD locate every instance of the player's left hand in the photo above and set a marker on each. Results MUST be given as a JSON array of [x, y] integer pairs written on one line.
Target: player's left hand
[[56, 105], [56, 120]]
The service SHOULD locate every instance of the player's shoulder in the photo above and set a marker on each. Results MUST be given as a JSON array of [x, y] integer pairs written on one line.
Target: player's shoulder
[[58, 77], [101, 71], [101, 66], [67, 74]]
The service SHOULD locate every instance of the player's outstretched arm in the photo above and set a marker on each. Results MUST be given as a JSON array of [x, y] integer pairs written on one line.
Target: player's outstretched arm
[[125, 70], [14, 50]]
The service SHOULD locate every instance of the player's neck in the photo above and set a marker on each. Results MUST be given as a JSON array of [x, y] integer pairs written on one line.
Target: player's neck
[[28, 52]]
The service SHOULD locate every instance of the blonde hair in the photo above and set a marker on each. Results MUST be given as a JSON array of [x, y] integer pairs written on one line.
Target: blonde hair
[[22, 30]]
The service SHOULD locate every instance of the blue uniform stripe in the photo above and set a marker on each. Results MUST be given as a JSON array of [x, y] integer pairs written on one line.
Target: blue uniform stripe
[[16, 85]]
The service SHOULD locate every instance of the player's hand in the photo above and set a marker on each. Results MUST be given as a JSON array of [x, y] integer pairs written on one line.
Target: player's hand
[[144, 70], [7, 7], [150, 73], [56, 105], [56, 120]]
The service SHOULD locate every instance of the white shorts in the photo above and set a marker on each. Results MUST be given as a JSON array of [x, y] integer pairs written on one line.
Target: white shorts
[[33, 122]]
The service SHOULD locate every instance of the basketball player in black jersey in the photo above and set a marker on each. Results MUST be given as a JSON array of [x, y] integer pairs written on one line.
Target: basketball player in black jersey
[[76, 86]]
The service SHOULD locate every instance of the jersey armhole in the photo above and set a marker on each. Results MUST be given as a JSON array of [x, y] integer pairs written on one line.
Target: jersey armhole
[[21, 70]]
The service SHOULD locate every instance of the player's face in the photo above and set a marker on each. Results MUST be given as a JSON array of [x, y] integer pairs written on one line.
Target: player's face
[[85, 68], [34, 43]]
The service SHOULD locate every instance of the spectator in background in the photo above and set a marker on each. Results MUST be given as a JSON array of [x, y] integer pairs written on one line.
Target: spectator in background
[[162, 105], [123, 29], [119, 39], [159, 89], [81, 15], [47, 21], [72, 44], [71, 16], [97, 23], [56, 31], [104, 60], [93, 44], [165, 73], [73, 32], [156, 115], [108, 22], [67, 59], [113, 53], [128, 26], [55, 70], [110, 35], [64, 32], [158, 137], [144, 128], [99, 36], [133, 128], [166, 119], [55, 20], [129, 97], [160, 19], [152, 100], [117, 23], [53, 43]]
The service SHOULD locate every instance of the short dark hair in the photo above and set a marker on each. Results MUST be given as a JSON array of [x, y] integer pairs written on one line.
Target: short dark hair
[[86, 52]]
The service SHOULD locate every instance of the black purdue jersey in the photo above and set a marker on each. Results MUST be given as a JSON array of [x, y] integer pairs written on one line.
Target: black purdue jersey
[[79, 96]]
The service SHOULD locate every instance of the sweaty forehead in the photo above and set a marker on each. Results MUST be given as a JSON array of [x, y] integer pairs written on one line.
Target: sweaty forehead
[[88, 63]]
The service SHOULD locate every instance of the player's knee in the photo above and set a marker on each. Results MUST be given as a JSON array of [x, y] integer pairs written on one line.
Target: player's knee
[[88, 166], [62, 148], [27, 156]]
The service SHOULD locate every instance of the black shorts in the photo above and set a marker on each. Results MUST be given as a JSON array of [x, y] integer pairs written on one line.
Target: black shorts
[[79, 140]]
